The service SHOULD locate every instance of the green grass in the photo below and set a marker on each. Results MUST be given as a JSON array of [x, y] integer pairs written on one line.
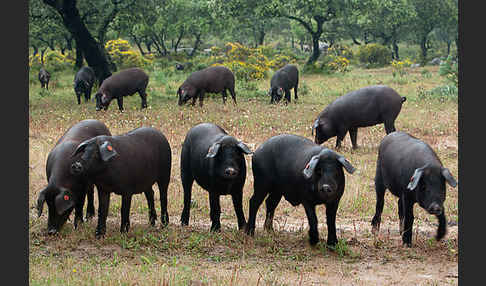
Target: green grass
[[181, 256]]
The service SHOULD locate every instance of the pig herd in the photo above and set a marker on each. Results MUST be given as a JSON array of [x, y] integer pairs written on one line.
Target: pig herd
[[290, 166]]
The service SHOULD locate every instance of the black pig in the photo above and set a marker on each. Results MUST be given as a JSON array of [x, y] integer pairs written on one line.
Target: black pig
[[215, 160], [64, 189], [304, 173], [83, 83], [411, 170], [367, 106], [282, 81], [212, 79], [123, 83], [44, 77], [125, 165]]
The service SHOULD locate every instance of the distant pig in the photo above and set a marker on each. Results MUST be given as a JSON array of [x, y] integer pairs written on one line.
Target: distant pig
[[303, 173], [83, 83], [66, 190], [216, 79], [126, 164], [44, 77], [282, 81], [215, 160], [367, 106], [411, 170], [124, 83]]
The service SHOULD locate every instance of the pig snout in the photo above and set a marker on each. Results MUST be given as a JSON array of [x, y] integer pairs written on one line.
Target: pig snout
[[327, 188], [230, 173], [76, 168], [435, 209]]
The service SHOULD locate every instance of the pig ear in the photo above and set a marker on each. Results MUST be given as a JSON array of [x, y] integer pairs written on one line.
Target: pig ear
[[448, 176], [81, 147], [311, 165], [314, 126], [346, 164], [414, 180], [40, 201], [63, 202], [244, 148], [213, 150], [107, 151]]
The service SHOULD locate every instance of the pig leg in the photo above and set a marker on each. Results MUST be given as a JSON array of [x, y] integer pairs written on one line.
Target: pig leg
[[163, 186], [237, 198], [233, 94], [256, 200], [78, 208], [201, 98], [389, 126], [380, 199], [90, 211], [149, 195], [119, 100], [408, 218], [441, 231], [295, 91], [125, 213], [104, 205], [224, 96], [215, 211], [287, 96], [143, 96], [79, 98], [353, 133], [89, 94], [331, 210], [400, 215], [340, 138], [187, 182], [310, 211], [271, 203]]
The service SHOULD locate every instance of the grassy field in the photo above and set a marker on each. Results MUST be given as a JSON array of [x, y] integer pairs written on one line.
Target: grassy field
[[194, 256]]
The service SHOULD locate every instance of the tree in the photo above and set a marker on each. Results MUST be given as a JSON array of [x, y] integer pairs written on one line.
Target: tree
[[429, 14], [311, 14]]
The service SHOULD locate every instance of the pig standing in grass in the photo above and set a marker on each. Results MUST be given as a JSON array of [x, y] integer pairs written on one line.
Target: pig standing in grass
[[411, 170], [216, 161], [216, 79], [367, 106], [282, 82], [44, 77], [303, 173], [124, 83], [127, 164], [65, 189], [83, 83]]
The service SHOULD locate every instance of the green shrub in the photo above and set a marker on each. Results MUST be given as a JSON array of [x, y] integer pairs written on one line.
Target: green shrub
[[53, 61], [374, 55], [449, 70]]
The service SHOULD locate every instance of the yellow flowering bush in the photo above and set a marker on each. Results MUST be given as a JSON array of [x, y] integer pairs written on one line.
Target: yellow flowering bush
[[123, 57], [339, 63], [374, 55], [53, 61], [399, 67]]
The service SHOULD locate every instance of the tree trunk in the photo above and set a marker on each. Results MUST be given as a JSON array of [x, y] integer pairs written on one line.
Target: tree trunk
[[196, 44], [395, 50], [92, 51], [423, 47], [179, 38], [315, 49], [79, 58]]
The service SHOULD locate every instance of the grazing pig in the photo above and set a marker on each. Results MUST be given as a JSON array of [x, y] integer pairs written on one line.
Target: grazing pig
[[411, 170], [123, 83], [83, 82], [360, 108], [304, 173], [282, 81], [212, 79], [215, 160], [125, 165], [44, 77], [66, 190]]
